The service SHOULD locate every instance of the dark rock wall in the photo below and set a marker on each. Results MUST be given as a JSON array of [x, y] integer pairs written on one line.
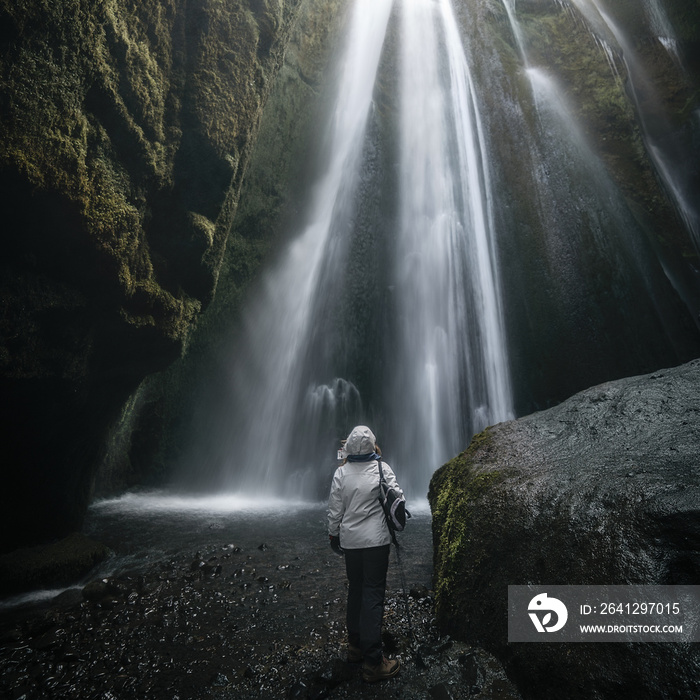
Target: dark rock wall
[[165, 426], [602, 489], [588, 241], [126, 131]]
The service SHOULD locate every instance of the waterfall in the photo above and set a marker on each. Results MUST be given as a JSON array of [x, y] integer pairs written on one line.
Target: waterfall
[[274, 401], [414, 346], [452, 375], [440, 281]]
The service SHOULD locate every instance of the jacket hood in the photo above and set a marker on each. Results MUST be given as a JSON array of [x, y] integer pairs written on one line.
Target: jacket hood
[[361, 441]]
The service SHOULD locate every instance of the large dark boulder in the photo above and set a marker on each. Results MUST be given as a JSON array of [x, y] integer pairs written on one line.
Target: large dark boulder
[[602, 489]]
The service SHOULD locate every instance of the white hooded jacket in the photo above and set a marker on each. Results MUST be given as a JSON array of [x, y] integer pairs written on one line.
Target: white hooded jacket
[[354, 510]]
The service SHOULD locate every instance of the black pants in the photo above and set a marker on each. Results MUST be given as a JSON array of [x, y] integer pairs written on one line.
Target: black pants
[[366, 570]]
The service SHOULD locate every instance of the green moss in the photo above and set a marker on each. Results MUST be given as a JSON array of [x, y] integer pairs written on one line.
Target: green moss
[[458, 490], [96, 100], [272, 185], [127, 129]]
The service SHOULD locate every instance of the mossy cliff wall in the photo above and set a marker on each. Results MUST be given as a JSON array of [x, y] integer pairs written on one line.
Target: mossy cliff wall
[[126, 130], [164, 427]]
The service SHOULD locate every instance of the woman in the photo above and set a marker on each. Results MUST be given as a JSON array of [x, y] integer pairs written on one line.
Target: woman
[[357, 527]]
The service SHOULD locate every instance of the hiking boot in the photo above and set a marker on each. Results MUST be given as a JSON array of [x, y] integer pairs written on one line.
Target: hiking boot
[[388, 668], [354, 654]]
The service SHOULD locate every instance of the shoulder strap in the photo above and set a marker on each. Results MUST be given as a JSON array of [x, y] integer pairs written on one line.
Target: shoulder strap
[[381, 473], [382, 480]]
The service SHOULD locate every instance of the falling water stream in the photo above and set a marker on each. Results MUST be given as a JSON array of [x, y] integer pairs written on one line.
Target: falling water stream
[[298, 383], [571, 169], [668, 154], [451, 369], [276, 395], [387, 305]]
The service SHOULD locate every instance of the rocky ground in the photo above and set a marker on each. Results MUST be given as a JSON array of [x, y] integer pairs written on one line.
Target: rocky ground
[[233, 621]]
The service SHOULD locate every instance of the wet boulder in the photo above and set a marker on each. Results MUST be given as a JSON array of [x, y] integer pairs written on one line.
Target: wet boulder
[[59, 563], [602, 489]]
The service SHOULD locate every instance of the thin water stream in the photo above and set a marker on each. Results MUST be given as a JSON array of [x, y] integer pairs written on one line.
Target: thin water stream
[[667, 151]]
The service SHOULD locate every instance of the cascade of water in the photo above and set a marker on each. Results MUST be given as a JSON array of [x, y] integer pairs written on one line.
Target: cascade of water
[[269, 382], [515, 28], [662, 27], [448, 377], [666, 154], [452, 376]]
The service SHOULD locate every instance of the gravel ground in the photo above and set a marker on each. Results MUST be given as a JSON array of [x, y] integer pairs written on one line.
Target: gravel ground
[[258, 617]]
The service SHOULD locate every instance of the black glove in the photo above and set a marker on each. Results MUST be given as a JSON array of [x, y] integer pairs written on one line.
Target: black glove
[[335, 544]]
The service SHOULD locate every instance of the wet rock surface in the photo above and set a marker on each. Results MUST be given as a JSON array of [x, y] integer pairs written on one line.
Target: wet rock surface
[[126, 128], [44, 566], [261, 616], [602, 489]]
